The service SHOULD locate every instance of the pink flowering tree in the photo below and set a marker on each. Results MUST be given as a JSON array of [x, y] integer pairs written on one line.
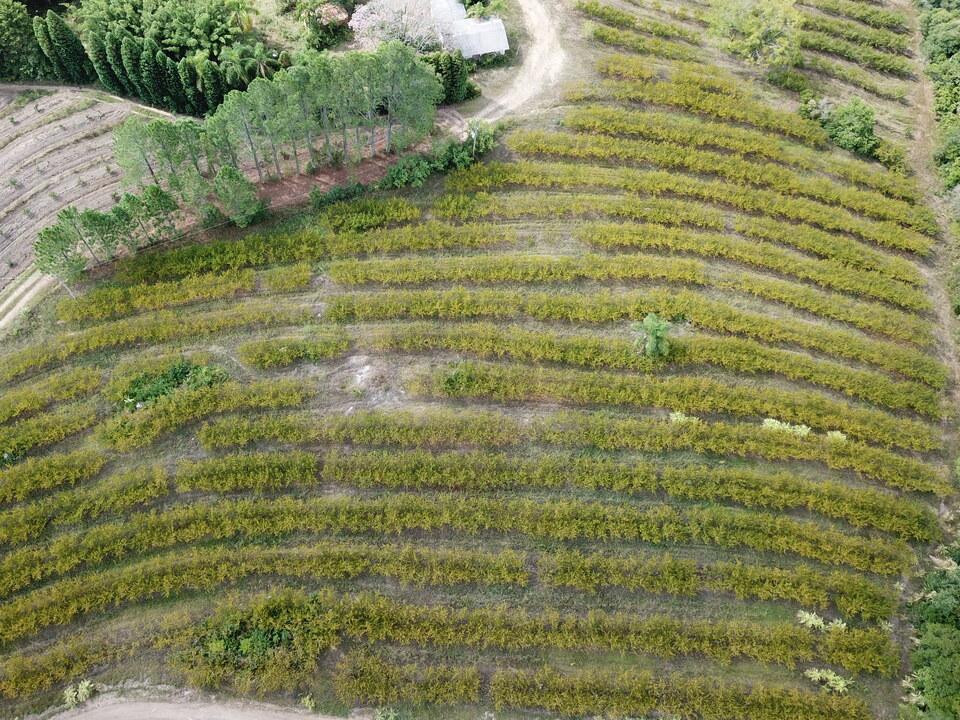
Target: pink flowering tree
[[408, 21]]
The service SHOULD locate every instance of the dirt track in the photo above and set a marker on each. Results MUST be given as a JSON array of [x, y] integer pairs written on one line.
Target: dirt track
[[118, 709]]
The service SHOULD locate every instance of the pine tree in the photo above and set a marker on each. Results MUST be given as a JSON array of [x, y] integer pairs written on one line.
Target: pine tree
[[130, 52], [112, 42], [175, 90], [101, 64], [212, 82], [238, 196], [153, 76], [68, 48], [42, 34], [190, 81], [459, 78]]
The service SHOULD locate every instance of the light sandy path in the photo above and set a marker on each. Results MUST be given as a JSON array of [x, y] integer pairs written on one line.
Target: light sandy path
[[23, 296], [119, 709], [541, 66]]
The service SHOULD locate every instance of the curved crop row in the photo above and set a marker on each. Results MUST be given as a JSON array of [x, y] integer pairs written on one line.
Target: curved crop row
[[859, 54], [113, 302], [658, 524], [864, 12], [133, 429], [56, 388], [880, 38], [629, 21], [488, 176], [209, 568], [680, 92], [730, 167], [731, 353], [652, 182], [154, 328], [115, 494], [442, 429], [688, 394], [45, 473], [852, 594], [698, 132], [827, 273], [305, 245], [642, 44], [460, 304], [44, 429], [631, 693], [279, 352], [484, 472]]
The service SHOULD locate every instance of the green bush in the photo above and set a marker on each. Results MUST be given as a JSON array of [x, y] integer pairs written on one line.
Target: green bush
[[338, 193]]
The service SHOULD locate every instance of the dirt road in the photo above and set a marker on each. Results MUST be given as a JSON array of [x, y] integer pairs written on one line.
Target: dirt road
[[541, 66], [114, 708]]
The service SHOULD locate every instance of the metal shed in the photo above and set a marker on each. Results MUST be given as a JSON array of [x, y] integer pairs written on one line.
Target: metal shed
[[471, 36]]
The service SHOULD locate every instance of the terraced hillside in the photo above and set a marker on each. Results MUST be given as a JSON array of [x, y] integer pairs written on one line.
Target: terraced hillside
[[54, 151], [409, 452]]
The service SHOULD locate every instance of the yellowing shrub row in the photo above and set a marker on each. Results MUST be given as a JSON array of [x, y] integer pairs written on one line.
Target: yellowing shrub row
[[872, 15], [850, 593], [862, 55], [279, 352], [44, 429], [827, 273], [856, 33], [633, 692], [513, 205], [45, 473], [485, 472], [753, 200], [657, 524], [365, 679], [439, 429], [681, 92], [56, 388], [698, 132], [731, 353], [133, 429], [113, 302], [733, 168], [595, 308], [305, 246], [209, 568], [618, 18], [511, 268], [641, 44], [689, 394], [115, 494], [155, 328], [286, 278]]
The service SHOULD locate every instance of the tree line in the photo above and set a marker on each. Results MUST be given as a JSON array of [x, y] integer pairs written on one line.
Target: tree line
[[324, 111]]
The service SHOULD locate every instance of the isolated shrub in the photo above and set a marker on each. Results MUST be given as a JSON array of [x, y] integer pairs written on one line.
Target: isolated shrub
[[338, 193], [851, 127], [653, 336], [238, 197], [762, 32]]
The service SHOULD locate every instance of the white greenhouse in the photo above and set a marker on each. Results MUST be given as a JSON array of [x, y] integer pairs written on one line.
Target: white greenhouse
[[471, 36]]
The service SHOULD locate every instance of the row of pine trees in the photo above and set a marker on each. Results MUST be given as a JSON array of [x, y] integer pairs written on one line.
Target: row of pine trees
[[127, 65]]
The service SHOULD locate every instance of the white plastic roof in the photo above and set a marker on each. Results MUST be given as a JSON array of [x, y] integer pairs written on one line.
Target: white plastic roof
[[470, 36]]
